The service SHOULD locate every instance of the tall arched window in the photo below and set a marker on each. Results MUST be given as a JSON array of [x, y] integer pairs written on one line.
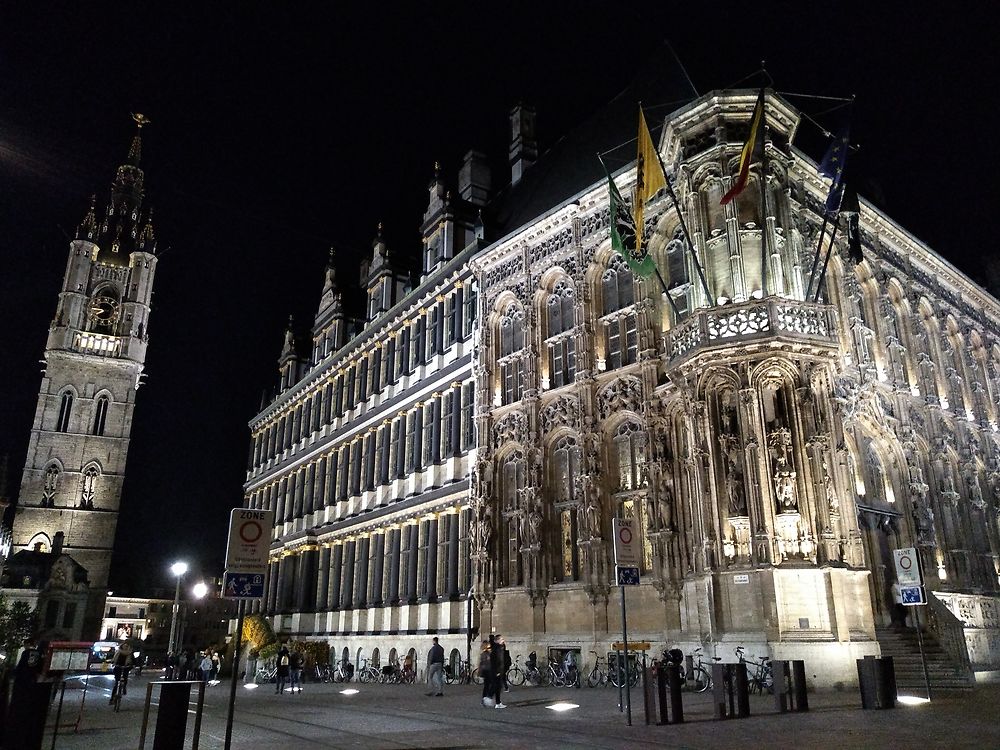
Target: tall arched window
[[565, 469], [88, 487], [49, 485], [512, 480], [65, 410], [618, 320], [101, 415], [628, 467], [560, 319], [510, 336]]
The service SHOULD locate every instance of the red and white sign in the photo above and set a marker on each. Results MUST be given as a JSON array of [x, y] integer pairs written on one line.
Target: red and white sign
[[907, 566], [626, 543], [249, 540]]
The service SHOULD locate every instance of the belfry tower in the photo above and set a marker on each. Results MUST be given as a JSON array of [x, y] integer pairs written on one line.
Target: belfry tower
[[94, 356]]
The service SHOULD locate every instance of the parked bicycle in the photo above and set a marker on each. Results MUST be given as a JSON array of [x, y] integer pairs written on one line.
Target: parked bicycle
[[759, 674], [515, 675], [368, 673], [343, 672], [323, 673], [456, 676], [533, 673], [265, 674], [616, 672], [700, 679]]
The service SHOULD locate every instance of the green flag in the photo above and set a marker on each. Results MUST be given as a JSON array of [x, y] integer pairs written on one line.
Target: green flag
[[623, 234]]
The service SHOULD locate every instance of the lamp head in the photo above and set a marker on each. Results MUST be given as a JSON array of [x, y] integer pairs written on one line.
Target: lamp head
[[179, 568], [199, 590]]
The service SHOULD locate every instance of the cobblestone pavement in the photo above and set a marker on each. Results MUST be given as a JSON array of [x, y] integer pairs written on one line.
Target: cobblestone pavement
[[402, 716]]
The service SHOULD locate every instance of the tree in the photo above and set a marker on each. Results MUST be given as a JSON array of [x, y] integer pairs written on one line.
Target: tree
[[17, 624]]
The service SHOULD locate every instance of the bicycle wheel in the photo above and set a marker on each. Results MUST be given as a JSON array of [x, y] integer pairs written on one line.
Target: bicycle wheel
[[700, 680], [476, 677], [515, 676]]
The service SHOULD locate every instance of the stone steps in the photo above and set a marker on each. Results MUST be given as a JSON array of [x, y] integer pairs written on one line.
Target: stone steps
[[904, 648]]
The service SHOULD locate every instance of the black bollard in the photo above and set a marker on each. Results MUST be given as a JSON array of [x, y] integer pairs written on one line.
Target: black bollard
[[885, 683], [661, 689], [720, 684], [742, 691], [782, 690], [171, 716], [29, 708], [799, 685], [866, 682], [676, 699]]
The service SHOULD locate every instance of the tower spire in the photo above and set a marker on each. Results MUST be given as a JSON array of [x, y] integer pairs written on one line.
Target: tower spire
[[135, 150]]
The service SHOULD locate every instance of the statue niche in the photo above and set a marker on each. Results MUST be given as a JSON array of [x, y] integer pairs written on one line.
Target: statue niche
[[731, 452]]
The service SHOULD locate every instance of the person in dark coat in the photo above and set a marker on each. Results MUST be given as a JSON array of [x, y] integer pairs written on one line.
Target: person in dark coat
[[486, 675], [507, 662], [496, 666], [283, 667]]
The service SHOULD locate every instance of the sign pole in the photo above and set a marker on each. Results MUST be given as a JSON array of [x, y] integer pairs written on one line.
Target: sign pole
[[236, 672], [628, 691], [923, 656]]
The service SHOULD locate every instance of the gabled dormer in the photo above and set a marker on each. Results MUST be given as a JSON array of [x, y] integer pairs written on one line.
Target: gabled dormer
[[449, 221], [385, 280], [328, 327]]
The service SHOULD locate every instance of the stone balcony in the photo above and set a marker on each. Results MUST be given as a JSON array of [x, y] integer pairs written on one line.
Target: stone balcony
[[774, 322]]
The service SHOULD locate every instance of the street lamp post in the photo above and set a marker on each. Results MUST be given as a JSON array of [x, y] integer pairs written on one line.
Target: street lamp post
[[178, 569]]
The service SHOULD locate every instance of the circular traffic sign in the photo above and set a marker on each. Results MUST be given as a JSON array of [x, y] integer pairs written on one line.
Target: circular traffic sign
[[251, 531], [905, 562], [625, 534]]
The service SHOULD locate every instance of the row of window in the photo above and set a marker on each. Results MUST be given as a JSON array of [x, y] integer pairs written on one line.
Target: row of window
[[399, 355], [428, 434], [617, 322], [88, 487], [425, 561], [100, 418]]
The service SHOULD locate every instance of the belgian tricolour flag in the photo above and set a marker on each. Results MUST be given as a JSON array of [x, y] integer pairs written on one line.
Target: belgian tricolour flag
[[753, 148]]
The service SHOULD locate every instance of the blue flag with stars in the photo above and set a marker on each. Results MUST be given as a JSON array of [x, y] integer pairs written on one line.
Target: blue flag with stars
[[833, 165]]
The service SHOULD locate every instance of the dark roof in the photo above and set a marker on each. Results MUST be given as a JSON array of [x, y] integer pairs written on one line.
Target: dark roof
[[571, 164], [36, 567]]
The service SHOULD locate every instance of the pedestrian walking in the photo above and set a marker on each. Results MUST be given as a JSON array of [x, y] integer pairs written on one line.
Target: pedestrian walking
[[295, 669], [205, 667], [282, 675], [486, 674], [496, 666], [171, 664], [435, 669], [506, 663], [216, 665]]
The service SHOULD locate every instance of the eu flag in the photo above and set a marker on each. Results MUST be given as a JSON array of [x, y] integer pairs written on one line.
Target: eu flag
[[833, 165]]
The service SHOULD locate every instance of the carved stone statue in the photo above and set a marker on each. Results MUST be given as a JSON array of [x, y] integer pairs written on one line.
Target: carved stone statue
[[924, 518], [665, 504], [735, 489], [534, 528], [784, 489], [833, 503]]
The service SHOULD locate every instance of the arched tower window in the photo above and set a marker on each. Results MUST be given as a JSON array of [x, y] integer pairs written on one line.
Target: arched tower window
[[559, 341], [101, 415], [65, 411], [50, 483], [88, 487], [621, 343]]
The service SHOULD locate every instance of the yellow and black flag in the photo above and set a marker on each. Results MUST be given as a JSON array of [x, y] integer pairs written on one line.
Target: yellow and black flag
[[649, 178]]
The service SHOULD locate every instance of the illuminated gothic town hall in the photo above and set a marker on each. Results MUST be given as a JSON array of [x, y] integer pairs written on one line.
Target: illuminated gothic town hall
[[454, 464]]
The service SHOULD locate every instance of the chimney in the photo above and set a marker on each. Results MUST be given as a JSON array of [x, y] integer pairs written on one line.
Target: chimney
[[474, 179], [57, 543], [523, 146]]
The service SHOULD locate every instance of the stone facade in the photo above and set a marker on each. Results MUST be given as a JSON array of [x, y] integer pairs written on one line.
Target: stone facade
[[94, 356], [774, 446]]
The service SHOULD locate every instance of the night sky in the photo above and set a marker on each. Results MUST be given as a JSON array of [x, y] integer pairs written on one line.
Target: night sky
[[277, 133]]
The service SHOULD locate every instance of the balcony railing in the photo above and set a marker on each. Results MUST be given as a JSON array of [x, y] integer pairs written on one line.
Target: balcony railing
[[754, 320], [97, 343]]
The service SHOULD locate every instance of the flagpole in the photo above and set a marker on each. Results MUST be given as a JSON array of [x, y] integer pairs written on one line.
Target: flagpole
[[826, 260], [663, 284], [764, 259], [819, 251], [687, 235]]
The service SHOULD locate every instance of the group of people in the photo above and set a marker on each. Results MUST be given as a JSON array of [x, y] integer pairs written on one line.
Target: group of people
[[494, 661], [289, 671], [187, 665]]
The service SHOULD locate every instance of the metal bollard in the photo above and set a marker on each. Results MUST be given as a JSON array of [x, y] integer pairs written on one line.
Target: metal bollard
[[742, 691], [676, 700], [799, 685], [648, 697], [885, 683], [782, 686], [661, 689], [721, 685], [866, 682]]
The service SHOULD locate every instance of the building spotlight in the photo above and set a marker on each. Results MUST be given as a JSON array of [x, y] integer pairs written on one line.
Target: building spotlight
[[560, 707]]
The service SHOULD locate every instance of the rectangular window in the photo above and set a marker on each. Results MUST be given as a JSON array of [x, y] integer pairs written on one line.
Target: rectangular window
[[449, 321], [376, 371], [562, 362], [370, 459], [404, 351], [383, 450], [69, 615], [51, 614], [345, 471], [427, 443], [468, 421], [349, 387], [631, 340], [338, 389], [613, 342], [389, 360], [363, 380], [512, 382], [446, 417], [470, 310], [430, 333], [411, 440], [417, 343], [356, 467]]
